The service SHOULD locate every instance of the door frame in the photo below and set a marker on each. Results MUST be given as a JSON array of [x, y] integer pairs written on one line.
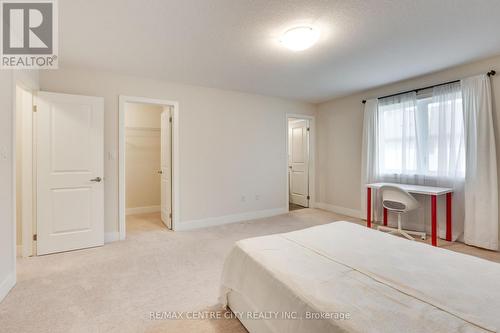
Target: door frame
[[121, 157], [312, 155], [27, 80], [28, 226]]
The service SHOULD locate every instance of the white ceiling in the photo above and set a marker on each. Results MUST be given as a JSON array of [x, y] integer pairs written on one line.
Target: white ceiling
[[232, 44]]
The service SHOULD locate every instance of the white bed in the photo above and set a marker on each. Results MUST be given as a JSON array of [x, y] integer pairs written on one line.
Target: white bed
[[381, 282]]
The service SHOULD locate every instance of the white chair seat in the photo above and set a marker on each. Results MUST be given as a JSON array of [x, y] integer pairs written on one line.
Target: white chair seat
[[397, 200]]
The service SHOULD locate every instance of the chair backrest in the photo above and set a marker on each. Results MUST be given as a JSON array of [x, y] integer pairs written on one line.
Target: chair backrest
[[396, 199]]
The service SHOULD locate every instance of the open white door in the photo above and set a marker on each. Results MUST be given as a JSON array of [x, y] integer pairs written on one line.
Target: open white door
[[69, 161], [299, 162], [166, 168]]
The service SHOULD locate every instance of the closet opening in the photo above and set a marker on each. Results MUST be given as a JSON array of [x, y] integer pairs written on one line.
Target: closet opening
[[146, 168]]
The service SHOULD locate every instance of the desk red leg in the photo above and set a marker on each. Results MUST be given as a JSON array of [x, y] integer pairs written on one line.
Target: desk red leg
[[369, 207], [448, 217], [385, 216], [434, 220]]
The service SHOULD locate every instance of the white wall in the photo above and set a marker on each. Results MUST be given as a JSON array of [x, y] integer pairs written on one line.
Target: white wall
[[340, 124], [8, 81], [143, 156], [231, 144]]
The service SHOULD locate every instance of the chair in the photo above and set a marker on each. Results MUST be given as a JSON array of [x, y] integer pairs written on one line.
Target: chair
[[399, 201]]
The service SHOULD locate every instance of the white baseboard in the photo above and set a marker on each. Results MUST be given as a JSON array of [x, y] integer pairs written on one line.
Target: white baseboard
[[214, 221], [142, 210], [111, 236], [339, 210], [6, 285]]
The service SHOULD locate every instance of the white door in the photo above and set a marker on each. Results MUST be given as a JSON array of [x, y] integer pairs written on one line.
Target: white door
[[166, 169], [69, 162], [299, 162]]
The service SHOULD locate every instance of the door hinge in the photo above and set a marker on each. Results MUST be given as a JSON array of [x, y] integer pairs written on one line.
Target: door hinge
[[308, 198], [308, 129], [170, 215], [35, 237], [170, 119], [35, 108]]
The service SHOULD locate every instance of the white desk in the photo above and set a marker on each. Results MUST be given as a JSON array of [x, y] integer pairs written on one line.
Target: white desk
[[432, 191]]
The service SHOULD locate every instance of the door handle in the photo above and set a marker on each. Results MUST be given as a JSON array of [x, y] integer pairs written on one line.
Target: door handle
[[160, 172], [97, 180]]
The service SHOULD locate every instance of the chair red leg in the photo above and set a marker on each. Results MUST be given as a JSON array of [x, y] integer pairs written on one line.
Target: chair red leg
[[385, 216]]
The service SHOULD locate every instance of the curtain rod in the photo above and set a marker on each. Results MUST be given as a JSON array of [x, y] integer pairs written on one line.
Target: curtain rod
[[490, 73]]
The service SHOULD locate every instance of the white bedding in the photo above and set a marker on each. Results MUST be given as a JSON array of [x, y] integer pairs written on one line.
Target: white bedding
[[382, 282]]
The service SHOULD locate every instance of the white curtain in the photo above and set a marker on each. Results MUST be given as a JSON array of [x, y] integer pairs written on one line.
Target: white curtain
[[398, 139], [369, 148], [447, 148], [417, 141], [398, 151], [481, 187]]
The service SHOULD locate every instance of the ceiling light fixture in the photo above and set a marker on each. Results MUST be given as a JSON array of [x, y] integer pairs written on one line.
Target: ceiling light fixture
[[299, 38]]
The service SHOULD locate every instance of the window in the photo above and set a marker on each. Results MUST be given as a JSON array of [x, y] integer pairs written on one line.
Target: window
[[422, 136]]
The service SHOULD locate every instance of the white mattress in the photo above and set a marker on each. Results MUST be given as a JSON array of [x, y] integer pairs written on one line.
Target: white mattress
[[382, 282]]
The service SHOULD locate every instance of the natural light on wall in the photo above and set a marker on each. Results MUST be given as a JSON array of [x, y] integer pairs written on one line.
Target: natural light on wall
[[300, 38]]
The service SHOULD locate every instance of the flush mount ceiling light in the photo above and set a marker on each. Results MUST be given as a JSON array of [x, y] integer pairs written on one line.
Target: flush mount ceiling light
[[299, 38]]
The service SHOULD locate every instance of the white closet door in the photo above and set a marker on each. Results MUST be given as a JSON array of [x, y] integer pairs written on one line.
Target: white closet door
[[299, 163], [69, 162], [166, 169]]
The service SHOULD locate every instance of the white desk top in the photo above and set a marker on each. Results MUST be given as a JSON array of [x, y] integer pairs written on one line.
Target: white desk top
[[416, 189]]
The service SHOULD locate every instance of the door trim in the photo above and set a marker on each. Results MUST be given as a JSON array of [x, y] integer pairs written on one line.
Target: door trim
[[28, 81], [312, 159], [28, 227], [28, 172], [121, 157]]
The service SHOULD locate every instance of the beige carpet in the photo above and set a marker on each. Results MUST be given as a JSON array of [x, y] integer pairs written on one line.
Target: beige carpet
[[114, 288]]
